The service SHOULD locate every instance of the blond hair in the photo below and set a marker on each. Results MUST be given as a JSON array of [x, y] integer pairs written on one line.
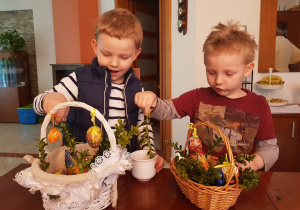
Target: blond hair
[[230, 37], [120, 23]]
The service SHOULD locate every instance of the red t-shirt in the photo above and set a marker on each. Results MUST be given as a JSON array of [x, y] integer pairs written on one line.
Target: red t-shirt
[[242, 120]]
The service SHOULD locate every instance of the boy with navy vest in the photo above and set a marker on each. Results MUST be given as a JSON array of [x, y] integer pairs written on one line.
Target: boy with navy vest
[[109, 84]]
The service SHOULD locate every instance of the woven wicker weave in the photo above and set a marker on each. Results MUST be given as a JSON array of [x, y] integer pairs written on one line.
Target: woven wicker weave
[[210, 197], [94, 190]]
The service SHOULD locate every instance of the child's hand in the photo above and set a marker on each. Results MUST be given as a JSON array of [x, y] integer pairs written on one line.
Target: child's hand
[[256, 164], [159, 165], [242, 166], [146, 100], [50, 101]]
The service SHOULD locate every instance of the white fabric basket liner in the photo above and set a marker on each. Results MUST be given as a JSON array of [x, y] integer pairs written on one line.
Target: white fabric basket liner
[[96, 189]]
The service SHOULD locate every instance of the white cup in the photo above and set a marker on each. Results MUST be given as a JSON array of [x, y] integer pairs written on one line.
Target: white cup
[[143, 167], [22, 83]]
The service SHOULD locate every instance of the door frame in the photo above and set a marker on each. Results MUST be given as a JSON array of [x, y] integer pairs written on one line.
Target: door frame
[[165, 65]]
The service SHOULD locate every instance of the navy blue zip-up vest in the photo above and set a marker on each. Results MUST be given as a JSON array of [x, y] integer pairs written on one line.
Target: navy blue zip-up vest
[[94, 87]]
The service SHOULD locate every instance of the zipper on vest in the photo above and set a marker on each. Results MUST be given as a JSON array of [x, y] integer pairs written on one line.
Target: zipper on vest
[[105, 92], [125, 103]]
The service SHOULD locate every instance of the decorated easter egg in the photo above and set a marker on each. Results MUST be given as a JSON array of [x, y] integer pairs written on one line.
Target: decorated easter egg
[[53, 135], [222, 180], [94, 136]]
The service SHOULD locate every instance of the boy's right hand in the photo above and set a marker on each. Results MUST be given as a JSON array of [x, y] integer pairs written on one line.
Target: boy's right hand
[[146, 100], [50, 101]]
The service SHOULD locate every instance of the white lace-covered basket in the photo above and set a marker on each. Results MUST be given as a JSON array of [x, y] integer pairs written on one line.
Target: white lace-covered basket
[[96, 189]]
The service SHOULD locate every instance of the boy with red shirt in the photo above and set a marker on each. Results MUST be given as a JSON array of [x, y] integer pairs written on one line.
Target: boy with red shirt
[[244, 117]]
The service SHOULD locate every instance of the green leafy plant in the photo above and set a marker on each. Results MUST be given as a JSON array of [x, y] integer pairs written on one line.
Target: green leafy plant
[[248, 178], [178, 149], [243, 158], [69, 138], [12, 41], [123, 137], [215, 143], [192, 169], [43, 164], [82, 158], [145, 138]]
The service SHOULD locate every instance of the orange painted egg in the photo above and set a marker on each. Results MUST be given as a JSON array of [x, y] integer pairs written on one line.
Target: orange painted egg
[[94, 136], [53, 135]]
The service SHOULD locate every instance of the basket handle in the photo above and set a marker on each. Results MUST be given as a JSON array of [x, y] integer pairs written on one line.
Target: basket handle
[[226, 142], [48, 117]]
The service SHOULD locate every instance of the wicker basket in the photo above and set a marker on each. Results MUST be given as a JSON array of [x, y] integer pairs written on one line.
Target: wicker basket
[[96, 189], [210, 197]]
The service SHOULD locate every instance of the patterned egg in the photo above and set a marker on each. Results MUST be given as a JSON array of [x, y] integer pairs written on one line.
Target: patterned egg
[[222, 180], [54, 135], [94, 136]]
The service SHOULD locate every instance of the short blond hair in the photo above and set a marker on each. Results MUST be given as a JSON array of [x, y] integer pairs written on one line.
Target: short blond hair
[[230, 37], [120, 23]]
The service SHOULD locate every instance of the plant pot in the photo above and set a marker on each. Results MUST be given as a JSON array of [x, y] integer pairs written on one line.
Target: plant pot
[[143, 167]]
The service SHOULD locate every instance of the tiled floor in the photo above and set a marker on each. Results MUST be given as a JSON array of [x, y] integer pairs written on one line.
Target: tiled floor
[[17, 140]]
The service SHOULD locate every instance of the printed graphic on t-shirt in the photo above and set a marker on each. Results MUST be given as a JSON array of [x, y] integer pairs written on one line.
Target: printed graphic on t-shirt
[[239, 127]]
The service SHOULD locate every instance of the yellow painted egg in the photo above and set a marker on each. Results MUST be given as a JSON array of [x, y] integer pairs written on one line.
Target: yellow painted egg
[[54, 135], [94, 136]]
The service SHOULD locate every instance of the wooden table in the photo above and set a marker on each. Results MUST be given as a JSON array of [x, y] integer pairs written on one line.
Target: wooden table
[[162, 192]]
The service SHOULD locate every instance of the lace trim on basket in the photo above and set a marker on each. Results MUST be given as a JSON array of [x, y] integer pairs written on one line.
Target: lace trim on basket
[[96, 192]]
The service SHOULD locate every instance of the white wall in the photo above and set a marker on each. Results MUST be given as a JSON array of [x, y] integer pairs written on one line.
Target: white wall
[[105, 5], [44, 36]]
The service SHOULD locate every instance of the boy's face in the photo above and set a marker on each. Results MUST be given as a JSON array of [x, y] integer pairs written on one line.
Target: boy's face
[[225, 73], [115, 54]]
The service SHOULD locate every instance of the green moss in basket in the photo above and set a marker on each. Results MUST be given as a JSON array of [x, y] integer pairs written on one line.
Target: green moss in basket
[[83, 161], [192, 169], [43, 164], [248, 178], [145, 138]]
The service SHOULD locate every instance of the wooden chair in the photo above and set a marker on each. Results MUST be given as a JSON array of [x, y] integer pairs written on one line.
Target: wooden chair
[[137, 72]]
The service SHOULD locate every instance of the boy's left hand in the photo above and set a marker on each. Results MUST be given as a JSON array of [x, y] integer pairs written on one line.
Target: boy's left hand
[[256, 164], [159, 165]]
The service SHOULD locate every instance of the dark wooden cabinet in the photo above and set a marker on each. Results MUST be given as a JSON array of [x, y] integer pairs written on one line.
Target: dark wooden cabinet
[[287, 133], [12, 98]]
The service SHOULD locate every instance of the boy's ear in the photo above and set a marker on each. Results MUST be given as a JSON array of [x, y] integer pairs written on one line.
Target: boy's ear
[[137, 53], [94, 45], [248, 69]]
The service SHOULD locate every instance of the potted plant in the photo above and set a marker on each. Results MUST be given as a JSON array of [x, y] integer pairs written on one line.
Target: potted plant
[[12, 42]]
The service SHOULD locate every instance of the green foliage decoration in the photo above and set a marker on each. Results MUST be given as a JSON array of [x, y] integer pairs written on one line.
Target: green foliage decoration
[[12, 41], [42, 157], [123, 138], [189, 168], [145, 138]]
